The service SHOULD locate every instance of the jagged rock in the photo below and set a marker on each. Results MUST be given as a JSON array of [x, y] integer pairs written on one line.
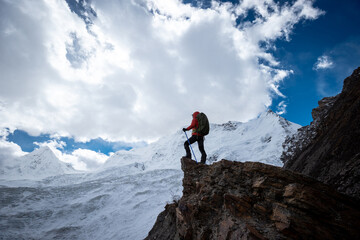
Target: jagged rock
[[329, 148], [294, 144], [234, 200], [321, 111]]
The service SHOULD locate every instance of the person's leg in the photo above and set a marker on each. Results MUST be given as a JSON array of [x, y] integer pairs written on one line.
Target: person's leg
[[192, 139], [201, 148]]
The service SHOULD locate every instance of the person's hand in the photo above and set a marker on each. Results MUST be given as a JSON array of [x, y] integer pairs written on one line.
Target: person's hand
[[184, 129]]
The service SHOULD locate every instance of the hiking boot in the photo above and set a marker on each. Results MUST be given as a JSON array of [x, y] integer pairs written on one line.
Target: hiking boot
[[203, 159]]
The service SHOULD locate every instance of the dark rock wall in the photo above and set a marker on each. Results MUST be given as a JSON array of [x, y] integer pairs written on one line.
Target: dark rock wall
[[329, 149], [233, 200]]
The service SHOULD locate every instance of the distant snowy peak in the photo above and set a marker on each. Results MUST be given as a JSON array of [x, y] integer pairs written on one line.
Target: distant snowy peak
[[289, 127], [265, 119], [258, 140], [267, 122], [40, 163], [45, 159]]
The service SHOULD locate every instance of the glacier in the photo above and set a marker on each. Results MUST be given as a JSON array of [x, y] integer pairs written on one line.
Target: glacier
[[44, 198]]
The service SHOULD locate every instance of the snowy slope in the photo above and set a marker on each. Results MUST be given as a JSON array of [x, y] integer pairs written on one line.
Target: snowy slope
[[112, 205], [123, 198], [39, 164]]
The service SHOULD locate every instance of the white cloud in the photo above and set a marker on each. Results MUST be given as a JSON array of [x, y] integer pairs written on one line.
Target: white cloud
[[346, 55], [9, 151], [281, 108], [142, 68], [92, 159], [323, 62]]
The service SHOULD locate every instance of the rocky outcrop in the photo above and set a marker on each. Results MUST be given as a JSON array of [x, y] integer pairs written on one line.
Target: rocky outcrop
[[233, 200], [329, 148], [295, 144]]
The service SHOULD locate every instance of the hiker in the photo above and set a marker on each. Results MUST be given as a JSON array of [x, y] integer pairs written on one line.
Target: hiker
[[198, 133]]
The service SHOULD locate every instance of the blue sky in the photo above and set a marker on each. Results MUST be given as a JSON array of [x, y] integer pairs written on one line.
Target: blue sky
[[89, 78], [334, 34]]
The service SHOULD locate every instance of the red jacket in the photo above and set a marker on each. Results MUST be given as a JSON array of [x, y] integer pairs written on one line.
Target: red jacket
[[194, 124]]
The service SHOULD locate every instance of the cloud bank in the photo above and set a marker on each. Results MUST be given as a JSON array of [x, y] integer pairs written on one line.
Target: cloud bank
[[137, 70]]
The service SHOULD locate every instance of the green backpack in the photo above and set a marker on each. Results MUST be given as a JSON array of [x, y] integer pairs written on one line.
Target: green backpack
[[204, 126]]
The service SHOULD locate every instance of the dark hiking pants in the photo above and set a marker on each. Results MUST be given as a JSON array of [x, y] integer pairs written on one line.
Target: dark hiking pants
[[200, 140]]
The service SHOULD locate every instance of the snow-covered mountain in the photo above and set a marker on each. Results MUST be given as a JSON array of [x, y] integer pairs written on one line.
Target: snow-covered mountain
[[123, 198], [39, 164], [258, 140]]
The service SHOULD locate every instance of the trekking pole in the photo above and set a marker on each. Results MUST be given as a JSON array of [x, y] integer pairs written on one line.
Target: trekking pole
[[190, 146]]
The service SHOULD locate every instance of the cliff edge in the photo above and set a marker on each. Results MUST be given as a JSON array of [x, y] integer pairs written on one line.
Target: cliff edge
[[234, 200]]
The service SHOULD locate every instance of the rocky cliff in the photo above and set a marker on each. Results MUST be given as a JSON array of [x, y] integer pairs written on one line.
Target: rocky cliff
[[234, 200], [329, 148]]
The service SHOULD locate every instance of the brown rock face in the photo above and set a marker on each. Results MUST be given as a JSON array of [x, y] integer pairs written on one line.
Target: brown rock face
[[329, 149], [233, 200]]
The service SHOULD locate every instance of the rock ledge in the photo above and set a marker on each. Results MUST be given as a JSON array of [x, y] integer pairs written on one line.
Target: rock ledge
[[233, 200]]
